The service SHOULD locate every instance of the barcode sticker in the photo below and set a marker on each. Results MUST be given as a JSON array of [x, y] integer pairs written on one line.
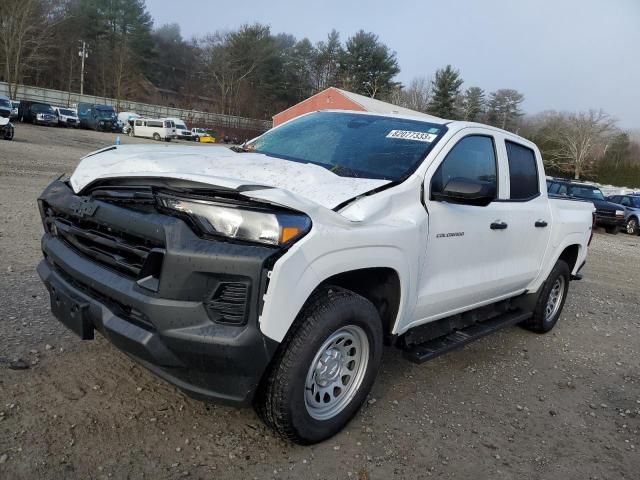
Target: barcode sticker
[[409, 135]]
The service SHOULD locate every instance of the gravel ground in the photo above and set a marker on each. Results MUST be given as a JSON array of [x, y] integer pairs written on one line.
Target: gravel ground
[[513, 405]]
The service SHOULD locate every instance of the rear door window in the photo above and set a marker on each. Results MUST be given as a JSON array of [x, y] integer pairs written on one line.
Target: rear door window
[[523, 171]]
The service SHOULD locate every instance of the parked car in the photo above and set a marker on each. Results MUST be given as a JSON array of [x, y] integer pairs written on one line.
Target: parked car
[[272, 276], [6, 128], [156, 128], [182, 131], [67, 117], [608, 215], [14, 111], [5, 107], [98, 117], [631, 206], [37, 113]]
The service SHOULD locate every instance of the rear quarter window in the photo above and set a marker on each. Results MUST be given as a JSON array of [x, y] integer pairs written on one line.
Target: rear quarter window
[[523, 171]]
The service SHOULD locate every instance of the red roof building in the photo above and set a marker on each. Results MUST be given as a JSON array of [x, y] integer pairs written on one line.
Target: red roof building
[[337, 99]]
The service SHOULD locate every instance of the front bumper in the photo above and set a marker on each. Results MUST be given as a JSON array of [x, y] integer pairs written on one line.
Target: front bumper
[[170, 331], [608, 221]]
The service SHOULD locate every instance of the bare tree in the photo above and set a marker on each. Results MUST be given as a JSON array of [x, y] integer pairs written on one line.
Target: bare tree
[[417, 95], [577, 140], [25, 32]]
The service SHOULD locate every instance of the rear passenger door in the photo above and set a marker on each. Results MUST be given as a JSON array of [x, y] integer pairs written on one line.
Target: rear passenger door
[[528, 213]]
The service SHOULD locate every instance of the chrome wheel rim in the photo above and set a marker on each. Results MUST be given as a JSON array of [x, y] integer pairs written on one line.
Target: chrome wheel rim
[[336, 372], [631, 226], [555, 299]]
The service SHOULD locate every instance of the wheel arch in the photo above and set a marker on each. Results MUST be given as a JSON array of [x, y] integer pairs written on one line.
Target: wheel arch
[[380, 285], [570, 255]]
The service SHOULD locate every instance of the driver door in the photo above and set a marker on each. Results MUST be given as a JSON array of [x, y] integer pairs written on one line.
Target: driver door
[[465, 265]]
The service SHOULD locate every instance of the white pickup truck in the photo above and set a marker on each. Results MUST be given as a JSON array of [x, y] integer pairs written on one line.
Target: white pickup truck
[[273, 274]]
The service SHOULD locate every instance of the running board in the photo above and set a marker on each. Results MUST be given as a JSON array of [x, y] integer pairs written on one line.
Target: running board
[[430, 349]]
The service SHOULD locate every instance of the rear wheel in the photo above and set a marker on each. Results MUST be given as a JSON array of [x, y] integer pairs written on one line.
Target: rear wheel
[[156, 137], [324, 369], [551, 300], [632, 226]]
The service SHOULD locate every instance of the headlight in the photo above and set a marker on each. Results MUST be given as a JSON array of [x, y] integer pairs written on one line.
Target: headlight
[[619, 213], [272, 228]]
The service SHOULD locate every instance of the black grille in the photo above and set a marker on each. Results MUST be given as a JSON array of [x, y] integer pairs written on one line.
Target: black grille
[[606, 213], [125, 253], [229, 303]]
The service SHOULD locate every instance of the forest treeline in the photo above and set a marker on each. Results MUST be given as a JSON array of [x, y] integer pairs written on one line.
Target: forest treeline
[[253, 72]]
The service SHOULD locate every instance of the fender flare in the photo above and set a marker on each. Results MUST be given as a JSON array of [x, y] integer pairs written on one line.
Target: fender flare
[[281, 308]]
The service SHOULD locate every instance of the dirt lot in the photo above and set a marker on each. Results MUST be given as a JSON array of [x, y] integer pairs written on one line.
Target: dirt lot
[[514, 405]]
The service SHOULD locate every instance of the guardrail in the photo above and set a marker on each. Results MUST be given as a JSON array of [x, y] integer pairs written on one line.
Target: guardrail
[[61, 98]]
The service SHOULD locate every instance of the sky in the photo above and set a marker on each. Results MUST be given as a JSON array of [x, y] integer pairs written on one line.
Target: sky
[[568, 55]]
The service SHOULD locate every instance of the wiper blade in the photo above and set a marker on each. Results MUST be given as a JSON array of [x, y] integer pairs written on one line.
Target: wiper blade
[[243, 148], [344, 171]]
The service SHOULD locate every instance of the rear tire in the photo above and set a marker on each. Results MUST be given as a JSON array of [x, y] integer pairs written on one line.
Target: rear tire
[[551, 300], [324, 368], [156, 137]]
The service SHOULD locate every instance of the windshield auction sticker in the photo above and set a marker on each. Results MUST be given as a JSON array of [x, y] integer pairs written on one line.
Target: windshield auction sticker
[[409, 135]]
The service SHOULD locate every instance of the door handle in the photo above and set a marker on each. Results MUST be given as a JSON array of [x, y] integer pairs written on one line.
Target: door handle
[[541, 224], [498, 225]]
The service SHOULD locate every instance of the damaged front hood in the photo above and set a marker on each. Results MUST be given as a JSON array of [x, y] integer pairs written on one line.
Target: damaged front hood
[[221, 167]]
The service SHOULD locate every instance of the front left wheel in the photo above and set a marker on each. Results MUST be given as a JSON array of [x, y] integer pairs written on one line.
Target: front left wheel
[[324, 369], [632, 226]]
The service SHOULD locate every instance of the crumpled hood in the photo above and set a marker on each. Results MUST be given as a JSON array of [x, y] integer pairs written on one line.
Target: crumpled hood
[[219, 166]]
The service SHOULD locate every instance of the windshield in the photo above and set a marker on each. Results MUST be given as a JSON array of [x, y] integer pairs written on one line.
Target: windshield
[[40, 108], [5, 103], [181, 126], [64, 111], [200, 130], [588, 193], [352, 145], [105, 111]]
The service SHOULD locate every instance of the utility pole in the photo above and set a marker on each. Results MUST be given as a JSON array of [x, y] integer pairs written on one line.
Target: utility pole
[[83, 53]]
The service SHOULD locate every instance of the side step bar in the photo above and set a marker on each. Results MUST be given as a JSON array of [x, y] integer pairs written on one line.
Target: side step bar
[[430, 349]]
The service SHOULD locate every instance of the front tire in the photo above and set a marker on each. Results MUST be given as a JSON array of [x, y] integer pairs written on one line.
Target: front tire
[[612, 230], [324, 369], [197, 139], [551, 300], [632, 226]]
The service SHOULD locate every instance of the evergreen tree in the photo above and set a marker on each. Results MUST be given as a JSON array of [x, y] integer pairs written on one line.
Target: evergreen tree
[[446, 90], [473, 104], [504, 108], [368, 66]]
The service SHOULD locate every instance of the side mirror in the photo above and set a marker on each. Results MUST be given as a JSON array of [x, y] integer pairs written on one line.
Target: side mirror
[[466, 191]]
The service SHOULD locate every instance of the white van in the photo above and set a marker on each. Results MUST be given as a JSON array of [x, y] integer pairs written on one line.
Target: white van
[[182, 132], [155, 128], [67, 117]]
